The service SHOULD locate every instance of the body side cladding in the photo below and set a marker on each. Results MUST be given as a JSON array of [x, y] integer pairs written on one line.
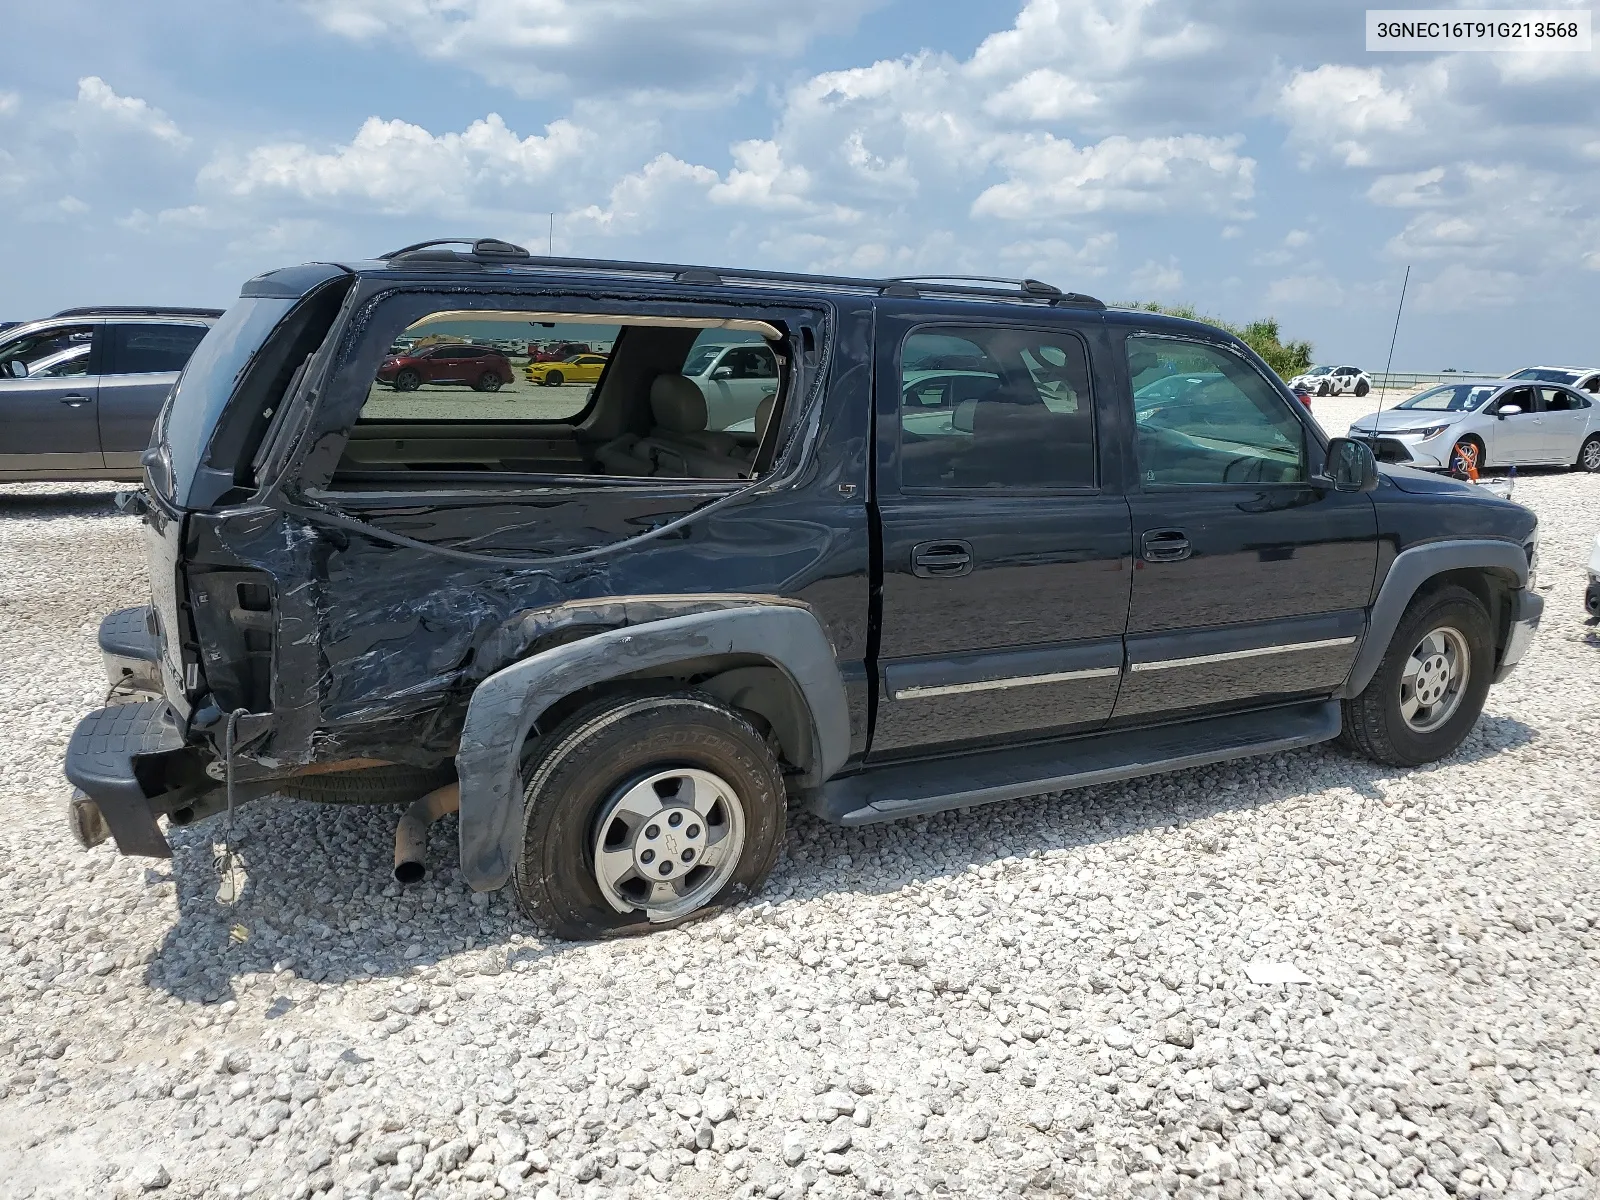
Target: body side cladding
[[505, 707], [1410, 571]]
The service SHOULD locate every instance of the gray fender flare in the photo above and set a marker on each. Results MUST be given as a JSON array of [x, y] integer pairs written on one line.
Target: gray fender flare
[[1410, 570], [506, 705]]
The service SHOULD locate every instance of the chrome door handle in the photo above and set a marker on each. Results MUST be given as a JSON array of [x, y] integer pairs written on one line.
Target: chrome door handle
[[1165, 545], [74, 400]]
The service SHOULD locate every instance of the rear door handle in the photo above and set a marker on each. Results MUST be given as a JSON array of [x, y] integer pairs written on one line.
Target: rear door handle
[[1165, 545], [75, 400], [937, 560]]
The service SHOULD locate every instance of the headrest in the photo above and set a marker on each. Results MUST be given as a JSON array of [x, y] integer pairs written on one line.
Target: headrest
[[994, 418], [678, 404], [764, 414]]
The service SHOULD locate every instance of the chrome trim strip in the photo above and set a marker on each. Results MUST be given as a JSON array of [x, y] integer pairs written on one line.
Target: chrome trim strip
[[1166, 664], [987, 685]]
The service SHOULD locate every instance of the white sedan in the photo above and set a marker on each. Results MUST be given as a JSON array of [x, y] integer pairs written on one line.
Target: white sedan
[[1487, 423], [1334, 381], [734, 377]]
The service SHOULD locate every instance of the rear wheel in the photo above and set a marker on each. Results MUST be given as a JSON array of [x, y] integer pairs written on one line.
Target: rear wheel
[[487, 382], [1430, 687], [643, 812], [407, 380], [1589, 455], [1362, 387]]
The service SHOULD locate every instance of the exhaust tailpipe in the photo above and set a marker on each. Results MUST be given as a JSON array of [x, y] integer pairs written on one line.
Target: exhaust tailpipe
[[411, 835]]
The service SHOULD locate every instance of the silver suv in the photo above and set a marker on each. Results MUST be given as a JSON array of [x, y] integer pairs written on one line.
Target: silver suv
[[79, 391]]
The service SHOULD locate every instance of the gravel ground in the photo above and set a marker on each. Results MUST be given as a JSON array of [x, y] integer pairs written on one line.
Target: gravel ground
[[1045, 995]]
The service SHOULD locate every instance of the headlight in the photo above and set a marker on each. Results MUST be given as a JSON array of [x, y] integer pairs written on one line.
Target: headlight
[[1433, 431]]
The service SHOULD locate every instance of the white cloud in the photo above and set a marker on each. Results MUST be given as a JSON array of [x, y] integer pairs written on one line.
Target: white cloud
[[1416, 189], [1154, 279], [1338, 110], [397, 167], [1052, 178], [99, 105], [10, 103], [679, 52]]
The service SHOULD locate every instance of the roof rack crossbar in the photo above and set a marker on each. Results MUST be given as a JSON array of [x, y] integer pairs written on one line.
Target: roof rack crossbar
[[1033, 287], [481, 248]]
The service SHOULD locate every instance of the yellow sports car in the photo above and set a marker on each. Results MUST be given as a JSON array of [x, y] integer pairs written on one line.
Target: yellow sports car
[[580, 368]]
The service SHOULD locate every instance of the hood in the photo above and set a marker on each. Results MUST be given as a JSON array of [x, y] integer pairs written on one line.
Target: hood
[[1426, 483], [1391, 419]]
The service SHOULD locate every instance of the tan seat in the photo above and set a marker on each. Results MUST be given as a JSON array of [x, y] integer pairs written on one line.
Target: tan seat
[[679, 444]]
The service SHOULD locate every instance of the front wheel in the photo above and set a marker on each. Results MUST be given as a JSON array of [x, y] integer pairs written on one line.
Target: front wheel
[[1430, 687], [407, 380], [1589, 455], [554, 379], [643, 812], [1470, 453]]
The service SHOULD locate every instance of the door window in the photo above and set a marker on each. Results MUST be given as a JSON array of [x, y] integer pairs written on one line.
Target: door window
[[152, 349], [39, 350], [991, 407], [1560, 400], [1204, 416], [1521, 398]]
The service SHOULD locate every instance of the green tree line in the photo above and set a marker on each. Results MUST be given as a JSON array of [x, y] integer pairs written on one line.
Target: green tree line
[[1288, 359]]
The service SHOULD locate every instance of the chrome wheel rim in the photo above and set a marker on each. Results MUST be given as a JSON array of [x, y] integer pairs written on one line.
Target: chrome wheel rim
[[1434, 680], [668, 843], [1591, 455]]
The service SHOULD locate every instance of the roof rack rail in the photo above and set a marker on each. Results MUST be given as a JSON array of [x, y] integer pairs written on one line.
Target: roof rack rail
[[136, 310], [1030, 287], [494, 250], [482, 248]]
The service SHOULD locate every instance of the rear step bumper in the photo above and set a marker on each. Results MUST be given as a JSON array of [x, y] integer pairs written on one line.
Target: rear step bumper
[[101, 762], [128, 646], [913, 789]]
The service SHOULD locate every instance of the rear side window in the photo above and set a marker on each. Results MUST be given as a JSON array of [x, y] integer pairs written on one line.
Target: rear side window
[[152, 349], [1204, 416], [995, 407]]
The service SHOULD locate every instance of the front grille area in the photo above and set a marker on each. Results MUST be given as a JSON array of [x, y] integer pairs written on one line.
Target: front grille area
[[1385, 449]]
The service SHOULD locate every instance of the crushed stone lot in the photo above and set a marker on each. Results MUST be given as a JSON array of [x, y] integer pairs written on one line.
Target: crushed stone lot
[[1047, 996]]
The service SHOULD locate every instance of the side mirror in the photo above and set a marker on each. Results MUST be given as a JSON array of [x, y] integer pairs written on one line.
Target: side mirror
[[722, 373], [1509, 410], [1352, 467]]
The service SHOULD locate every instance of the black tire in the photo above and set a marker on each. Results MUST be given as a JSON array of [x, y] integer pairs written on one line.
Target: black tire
[[1589, 454], [1322, 389], [397, 784], [1362, 387], [487, 382], [602, 750], [1373, 723], [407, 380], [554, 379]]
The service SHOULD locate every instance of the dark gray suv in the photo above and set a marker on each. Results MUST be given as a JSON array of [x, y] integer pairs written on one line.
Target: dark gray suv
[[79, 391]]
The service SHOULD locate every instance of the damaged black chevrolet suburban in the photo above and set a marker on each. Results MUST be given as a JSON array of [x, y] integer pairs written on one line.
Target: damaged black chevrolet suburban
[[876, 547]]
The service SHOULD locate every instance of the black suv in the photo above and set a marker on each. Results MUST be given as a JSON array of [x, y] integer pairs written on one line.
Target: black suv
[[980, 543]]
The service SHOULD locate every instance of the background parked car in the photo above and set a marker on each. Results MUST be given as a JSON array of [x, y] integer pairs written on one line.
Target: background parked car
[[734, 378], [1583, 379], [1487, 422], [477, 367], [1334, 381], [558, 351], [79, 391], [580, 368]]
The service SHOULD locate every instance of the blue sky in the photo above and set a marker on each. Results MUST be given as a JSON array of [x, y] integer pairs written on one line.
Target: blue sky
[[1245, 156]]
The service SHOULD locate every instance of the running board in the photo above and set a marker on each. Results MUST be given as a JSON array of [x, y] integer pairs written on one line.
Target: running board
[[932, 785]]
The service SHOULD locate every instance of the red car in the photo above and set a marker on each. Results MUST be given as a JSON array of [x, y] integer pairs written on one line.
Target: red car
[[476, 366], [557, 351]]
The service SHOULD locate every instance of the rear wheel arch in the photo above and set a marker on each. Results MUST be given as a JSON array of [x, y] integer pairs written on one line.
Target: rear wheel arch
[[770, 659]]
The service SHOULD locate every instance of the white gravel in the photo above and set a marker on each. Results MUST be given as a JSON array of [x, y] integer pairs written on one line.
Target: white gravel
[[1050, 994]]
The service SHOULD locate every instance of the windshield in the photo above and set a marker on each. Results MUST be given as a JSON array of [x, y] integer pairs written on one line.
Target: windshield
[[1546, 375], [1452, 397], [1320, 371], [208, 381], [701, 361]]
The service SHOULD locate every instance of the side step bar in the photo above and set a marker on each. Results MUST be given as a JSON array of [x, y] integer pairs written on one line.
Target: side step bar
[[889, 793]]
